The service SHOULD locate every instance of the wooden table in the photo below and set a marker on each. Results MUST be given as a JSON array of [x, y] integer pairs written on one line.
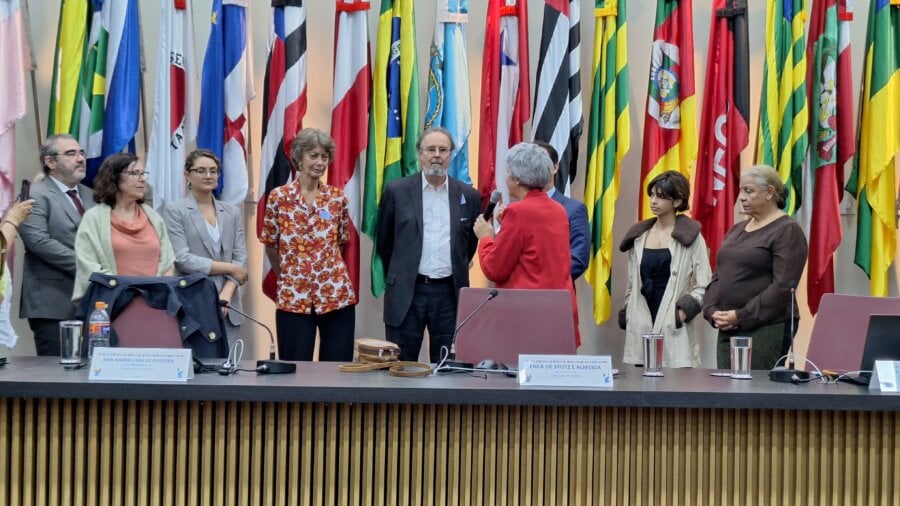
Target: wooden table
[[324, 437]]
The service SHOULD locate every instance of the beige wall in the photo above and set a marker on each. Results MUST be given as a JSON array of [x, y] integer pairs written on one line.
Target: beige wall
[[606, 339]]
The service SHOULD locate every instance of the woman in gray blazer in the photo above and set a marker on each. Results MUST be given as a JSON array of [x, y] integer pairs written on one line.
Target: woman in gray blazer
[[208, 235]]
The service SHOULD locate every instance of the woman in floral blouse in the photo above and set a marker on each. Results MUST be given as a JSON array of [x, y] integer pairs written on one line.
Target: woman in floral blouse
[[307, 222]]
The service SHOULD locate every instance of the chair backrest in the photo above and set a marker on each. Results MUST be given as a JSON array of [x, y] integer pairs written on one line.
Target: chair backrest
[[514, 322], [142, 326], [839, 332]]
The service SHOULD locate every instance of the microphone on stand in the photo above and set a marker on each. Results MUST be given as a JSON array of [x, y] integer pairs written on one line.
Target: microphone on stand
[[786, 373], [270, 366], [496, 196], [452, 355], [790, 356]]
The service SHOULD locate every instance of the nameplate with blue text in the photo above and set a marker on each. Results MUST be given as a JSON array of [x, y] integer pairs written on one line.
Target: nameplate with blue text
[[885, 375], [566, 371], [141, 364]]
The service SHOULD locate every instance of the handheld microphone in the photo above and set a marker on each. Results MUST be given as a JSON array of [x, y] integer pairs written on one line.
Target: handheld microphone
[[226, 304], [496, 196], [493, 293], [270, 366]]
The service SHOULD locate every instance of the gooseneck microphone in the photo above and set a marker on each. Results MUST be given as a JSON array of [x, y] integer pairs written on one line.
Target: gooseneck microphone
[[787, 374], [226, 304], [496, 196], [790, 357], [452, 355], [270, 366]]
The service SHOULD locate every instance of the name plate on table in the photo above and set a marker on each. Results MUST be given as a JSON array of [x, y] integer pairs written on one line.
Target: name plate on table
[[566, 371], [885, 375], [141, 364]]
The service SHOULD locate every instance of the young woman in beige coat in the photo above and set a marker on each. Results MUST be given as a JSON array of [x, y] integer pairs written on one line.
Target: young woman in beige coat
[[668, 270]]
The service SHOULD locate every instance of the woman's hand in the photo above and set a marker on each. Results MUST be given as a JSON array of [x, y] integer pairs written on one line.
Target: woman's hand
[[725, 320], [19, 212], [239, 274], [482, 228]]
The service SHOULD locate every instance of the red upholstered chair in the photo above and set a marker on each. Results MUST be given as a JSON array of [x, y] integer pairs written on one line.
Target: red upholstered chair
[[839, 332], [142, 326]]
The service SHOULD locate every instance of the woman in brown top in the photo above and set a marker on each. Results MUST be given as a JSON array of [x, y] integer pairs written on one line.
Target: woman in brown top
[[759, 263]]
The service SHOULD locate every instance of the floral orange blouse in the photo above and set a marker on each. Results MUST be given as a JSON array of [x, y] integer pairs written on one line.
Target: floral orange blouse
[[309, 240]]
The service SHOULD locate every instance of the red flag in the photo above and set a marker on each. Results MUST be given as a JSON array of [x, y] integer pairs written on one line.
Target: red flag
[[724, 122], [505, 95], [284, 105], [831, 137], [670, 128], [350, 115]]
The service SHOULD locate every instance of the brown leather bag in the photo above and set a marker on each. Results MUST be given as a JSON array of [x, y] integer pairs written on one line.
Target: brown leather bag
[[374, 354]]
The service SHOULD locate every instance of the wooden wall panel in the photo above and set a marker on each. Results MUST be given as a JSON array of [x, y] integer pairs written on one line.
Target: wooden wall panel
[[87, 452]]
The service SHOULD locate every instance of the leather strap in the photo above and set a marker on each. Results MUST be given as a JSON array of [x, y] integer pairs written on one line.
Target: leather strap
[[394, 368]]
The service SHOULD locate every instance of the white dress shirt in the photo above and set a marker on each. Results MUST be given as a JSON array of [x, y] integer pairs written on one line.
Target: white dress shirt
[[435, 261]]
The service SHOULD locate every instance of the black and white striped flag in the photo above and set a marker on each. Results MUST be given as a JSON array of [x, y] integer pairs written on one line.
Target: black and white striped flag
[[558, 117]]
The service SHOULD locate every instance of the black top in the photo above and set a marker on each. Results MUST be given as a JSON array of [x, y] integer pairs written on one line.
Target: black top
[[655, 267]]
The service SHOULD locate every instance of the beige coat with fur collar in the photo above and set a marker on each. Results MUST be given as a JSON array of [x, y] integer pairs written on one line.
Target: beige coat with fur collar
[[690, 274]]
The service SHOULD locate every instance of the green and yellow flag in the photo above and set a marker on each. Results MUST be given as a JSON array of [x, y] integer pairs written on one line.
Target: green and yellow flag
[[608, 141], [65, 88], [782, 139], [394, 119], [877, 143]]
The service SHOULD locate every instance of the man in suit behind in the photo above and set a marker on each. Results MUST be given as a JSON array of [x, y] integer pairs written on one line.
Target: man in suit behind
[[48, 274], [579, 237], [425, 240]]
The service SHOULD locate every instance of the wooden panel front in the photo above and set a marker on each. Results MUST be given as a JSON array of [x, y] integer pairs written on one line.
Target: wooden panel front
[[106, 452]]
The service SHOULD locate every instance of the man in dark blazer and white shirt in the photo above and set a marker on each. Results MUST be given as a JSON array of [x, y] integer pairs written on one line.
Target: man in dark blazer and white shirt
[[48, 273], [426, 243]]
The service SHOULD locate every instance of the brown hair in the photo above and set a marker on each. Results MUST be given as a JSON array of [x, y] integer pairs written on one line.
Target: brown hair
[[672, 185], [106, 183]]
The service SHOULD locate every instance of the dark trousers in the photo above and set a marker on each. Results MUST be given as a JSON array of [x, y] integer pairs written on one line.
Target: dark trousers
[[433, 306], [297, 335], [46, 336]]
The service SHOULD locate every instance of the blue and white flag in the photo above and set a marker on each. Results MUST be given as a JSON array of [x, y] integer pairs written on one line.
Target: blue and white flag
[[226, 87], [111, 82], [449, 103]]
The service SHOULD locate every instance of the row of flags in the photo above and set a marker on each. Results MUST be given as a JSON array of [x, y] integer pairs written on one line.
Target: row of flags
[[805, 116]]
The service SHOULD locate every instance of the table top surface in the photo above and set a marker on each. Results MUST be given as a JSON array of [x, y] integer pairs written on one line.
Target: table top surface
[[44, 377]]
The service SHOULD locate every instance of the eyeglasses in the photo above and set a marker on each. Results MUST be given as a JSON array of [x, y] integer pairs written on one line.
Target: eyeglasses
[[205, 172], [437, 150], [72, 153], [134, 174]]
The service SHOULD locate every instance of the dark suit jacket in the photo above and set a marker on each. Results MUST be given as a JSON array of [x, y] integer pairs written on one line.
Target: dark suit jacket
[[579, 234], [398, 239], [194, 251], [48, 273]]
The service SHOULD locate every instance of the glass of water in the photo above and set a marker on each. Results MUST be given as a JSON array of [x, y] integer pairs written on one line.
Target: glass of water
[[741, 355]]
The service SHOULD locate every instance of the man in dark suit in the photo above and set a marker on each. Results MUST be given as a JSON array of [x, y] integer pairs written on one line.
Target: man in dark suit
[[579, 235], [48, 273], [426, 243]]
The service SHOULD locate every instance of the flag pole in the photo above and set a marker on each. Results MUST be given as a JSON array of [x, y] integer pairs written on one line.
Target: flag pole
[[143, 86], [33, 68]]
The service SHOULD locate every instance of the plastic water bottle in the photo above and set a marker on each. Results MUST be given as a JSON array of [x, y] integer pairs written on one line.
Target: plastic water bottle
[[98, 328]]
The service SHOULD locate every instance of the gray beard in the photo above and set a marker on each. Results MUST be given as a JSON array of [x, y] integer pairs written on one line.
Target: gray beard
[[435, 171]]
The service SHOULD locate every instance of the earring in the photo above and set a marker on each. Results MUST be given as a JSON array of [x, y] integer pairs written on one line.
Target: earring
[[769, 198], [190, 185]]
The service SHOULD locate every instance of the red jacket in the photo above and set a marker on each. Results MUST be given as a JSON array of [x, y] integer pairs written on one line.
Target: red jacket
[[532, 248]]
